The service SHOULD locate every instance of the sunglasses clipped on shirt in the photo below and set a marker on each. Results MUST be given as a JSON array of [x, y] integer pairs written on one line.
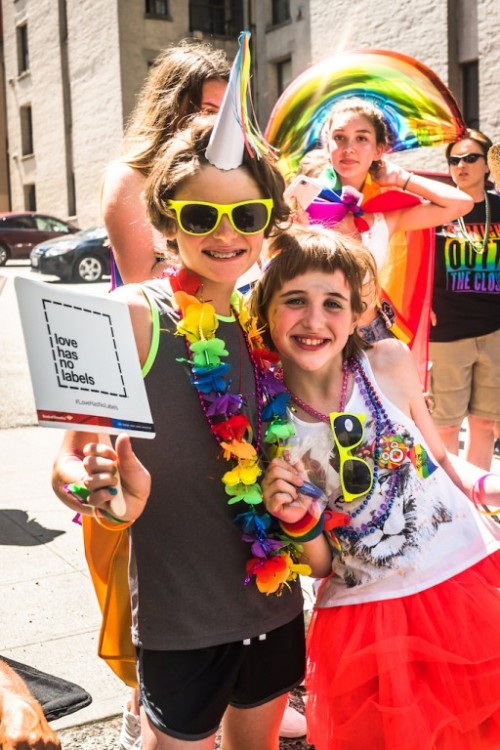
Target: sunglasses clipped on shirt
[[200, 217], [356, 475], [454, 161]]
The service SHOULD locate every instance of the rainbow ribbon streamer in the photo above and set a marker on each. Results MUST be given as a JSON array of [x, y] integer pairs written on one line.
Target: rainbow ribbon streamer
[[255, 141]]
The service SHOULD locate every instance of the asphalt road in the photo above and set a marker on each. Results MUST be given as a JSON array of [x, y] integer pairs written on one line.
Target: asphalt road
[[17, 405]]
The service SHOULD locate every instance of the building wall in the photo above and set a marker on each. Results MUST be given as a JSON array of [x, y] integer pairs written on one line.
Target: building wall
[[141, 39], [96, 98], [423, 29], [83, 87], [40, 87], [489, 68]]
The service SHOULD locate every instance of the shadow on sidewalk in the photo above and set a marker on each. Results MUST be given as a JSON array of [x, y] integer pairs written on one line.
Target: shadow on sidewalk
[[19, 530]]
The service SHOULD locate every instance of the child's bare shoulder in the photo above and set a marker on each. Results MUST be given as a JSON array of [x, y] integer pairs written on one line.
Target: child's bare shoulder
[[389, 354]]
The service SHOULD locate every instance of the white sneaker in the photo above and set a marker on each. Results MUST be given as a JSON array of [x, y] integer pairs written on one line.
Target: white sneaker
[[293, 723], [130, 734]]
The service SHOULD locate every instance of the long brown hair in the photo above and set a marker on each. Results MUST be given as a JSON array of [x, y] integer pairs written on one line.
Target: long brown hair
[[172, 92]]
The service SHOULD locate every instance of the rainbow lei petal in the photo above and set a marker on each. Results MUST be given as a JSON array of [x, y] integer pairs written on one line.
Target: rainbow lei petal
[[274, 562]]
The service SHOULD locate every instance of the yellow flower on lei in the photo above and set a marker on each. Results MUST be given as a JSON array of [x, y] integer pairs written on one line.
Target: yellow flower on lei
[[199, 322]]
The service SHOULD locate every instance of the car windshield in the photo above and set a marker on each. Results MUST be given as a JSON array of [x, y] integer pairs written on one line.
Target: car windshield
[[93, 233]]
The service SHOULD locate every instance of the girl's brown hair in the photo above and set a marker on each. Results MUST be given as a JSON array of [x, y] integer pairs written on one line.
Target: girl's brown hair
[[184, 157], [362, 107], [172, 92], [303, 249]]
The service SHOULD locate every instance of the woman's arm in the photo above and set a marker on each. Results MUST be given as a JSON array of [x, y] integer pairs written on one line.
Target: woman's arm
[[133, 239], [442, 203]]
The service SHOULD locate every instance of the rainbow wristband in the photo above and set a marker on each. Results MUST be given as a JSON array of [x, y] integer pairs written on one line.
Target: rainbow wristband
[[305, 530], [478, 494]]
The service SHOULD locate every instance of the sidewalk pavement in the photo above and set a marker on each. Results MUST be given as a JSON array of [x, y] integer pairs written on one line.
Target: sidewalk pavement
[[48, 613]]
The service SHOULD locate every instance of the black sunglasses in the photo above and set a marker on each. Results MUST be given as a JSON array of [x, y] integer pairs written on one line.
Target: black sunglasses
[[454, 161]]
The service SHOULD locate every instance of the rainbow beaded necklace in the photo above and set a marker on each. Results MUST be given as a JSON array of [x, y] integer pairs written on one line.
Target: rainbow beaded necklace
[[274, 561]]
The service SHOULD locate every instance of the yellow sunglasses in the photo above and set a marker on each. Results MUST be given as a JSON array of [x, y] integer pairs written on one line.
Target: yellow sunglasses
[[356, 475], [200, 217]]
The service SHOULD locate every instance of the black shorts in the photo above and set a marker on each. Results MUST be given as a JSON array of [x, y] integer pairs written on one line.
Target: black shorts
[[185, 693]]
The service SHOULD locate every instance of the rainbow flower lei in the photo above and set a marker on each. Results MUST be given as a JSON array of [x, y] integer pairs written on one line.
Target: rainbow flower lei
[[274, 561]]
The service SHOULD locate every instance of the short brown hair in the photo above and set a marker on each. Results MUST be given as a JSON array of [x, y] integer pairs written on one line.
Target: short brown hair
[[184, 156], [301, 249]]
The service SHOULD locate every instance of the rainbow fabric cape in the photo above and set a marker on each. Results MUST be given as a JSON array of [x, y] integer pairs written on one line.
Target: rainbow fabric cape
[[406, 278]]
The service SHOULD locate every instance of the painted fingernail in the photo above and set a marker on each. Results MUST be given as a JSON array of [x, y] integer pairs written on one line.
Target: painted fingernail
[[112, 491]]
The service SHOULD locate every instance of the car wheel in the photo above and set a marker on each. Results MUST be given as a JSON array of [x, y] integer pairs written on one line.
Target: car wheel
[[88, 269], [4, 255]]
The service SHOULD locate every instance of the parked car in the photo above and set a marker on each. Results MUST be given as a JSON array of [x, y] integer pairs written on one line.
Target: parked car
[[82, 257], [20, 232]]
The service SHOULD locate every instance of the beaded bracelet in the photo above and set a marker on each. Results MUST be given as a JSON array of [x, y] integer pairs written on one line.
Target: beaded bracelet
[[405, 184], [305, 530]]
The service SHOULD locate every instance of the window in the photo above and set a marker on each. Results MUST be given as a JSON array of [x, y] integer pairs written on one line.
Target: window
[[23, 58], [157, 8], [27, 131], [218, 17], [19, 222], [284, 74], [470, 93], [49, 224], [29, 198], [281, 11]]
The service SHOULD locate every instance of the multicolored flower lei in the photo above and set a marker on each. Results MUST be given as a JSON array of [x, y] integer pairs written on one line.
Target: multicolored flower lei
[[274, 561]]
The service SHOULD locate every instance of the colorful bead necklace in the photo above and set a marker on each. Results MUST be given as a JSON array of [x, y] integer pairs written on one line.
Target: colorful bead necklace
[[478, 246], [274, 561], [383, 427], [317, 414]]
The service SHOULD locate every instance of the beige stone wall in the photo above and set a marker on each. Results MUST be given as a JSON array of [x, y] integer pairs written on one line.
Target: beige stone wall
[[111, 43], [41, 88], [96, 98], [489, 68], [4, 168]]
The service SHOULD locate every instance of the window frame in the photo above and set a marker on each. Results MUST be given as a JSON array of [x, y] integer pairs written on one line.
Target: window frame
[[23, 54]]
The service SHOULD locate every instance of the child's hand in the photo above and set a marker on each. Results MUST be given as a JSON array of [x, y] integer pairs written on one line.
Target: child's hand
[[280, 489], [117, 480]]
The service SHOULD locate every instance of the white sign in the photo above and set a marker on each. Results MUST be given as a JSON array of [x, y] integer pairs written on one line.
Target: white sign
[[83, 361]]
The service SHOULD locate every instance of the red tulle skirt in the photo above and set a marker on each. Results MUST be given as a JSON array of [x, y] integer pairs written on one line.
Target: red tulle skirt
[[417, 673]]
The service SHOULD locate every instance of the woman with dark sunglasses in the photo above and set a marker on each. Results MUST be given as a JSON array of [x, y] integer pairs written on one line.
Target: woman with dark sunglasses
[[465, 335], [403, 650]]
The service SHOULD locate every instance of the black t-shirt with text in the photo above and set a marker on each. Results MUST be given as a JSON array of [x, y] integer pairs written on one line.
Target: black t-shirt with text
[[466, 298]]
